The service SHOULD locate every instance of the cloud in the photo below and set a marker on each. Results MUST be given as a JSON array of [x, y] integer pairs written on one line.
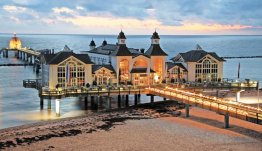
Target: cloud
[[14, 9], [138, 16]]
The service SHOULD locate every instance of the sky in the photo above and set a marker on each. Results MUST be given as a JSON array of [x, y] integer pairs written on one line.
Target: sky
[[135, 17]]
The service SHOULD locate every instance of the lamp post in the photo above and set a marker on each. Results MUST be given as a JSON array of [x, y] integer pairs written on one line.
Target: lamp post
[[258, 95]]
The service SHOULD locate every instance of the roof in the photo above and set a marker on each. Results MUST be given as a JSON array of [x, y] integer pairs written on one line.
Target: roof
[[92, 43], [121, 35], [196, 55], [98, 67], [155, 36], [170, 65], [62, 55], [121, 50], [115, 50], [155, 50], [141, 70]]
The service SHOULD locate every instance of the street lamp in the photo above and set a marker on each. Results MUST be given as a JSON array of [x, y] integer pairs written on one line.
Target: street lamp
[[258, 95]]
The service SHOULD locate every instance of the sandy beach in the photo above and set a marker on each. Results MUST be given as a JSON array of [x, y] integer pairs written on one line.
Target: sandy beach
[[136, 129]]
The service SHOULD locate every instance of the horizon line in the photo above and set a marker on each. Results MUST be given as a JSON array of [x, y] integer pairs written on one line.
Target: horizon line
[[134, 34]]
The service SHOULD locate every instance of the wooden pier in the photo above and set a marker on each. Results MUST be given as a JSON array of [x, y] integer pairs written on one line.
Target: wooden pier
[[218, 105]]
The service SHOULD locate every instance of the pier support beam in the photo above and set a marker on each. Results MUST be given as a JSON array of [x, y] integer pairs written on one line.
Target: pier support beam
[[136, 98], [6, 54], [119, 101], [108, 100], [187, 110], [41, 103], [57, 107], [164, 99], [92, 102], [152, 98], [49, 104], [86, 102], [226, 120], [127, 100]]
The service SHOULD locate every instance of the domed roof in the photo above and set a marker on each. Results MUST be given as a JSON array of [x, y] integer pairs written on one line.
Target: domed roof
[[104, 43], [155, 36], [15, 43], [92, 43], [121, 35]]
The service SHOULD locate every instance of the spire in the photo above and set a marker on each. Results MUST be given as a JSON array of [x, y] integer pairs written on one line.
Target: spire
[[104, 43], [155, 38], [198, 47], [92, 44], [121, 38]]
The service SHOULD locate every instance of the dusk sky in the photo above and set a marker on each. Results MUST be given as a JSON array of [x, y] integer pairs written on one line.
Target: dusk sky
[[171, 17]]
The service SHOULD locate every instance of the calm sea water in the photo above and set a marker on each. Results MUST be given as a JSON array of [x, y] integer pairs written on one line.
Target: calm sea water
[[20, 106]]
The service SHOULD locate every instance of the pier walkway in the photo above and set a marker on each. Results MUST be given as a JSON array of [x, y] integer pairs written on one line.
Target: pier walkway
[[167, 91], [219, 105]]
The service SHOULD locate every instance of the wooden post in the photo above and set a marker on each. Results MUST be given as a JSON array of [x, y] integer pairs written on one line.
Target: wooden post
[[49, 104], [119, 101], [226, 120], [136, 99], [152, 98], [6, 55], [164, 99], [127, 100], [187, 110], [41, 103], [92, 101], [86, 102]]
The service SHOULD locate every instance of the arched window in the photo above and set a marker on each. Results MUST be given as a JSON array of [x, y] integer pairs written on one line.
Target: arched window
[[140, 63], [70, 73], [124, 70], [206, 70]]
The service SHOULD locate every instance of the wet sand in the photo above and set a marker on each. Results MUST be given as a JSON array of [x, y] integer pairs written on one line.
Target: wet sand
[[136, 129]]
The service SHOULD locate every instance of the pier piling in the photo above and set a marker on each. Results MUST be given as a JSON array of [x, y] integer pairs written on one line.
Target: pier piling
[[226, 120], [187, 110], [119, 101], [41, 103], [127, 100], [49, 104], [86, 102], [152, 98]]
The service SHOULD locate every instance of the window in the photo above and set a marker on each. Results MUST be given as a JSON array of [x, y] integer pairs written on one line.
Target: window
[[71, 73], [206, 70]]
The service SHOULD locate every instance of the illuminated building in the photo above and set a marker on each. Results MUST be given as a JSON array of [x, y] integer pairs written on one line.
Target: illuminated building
[[128, 65], [15, 43], [66, 69], [202, 66]]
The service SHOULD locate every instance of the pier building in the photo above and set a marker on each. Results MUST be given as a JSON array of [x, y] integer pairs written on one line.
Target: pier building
[[15, 42], [128, 65], [202, 66], [66, 69]]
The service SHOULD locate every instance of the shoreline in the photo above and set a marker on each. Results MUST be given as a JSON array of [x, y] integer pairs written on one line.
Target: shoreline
[[22, 137]]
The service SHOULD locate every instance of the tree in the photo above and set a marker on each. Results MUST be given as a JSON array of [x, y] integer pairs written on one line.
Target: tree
[[87, 85]]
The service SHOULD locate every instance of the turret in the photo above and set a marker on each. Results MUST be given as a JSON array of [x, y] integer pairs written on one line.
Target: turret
[[104, 43], [92, 45], [155, 38], [121, 38]]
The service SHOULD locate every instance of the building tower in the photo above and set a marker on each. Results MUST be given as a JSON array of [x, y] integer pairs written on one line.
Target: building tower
[[92, 44], [15, 43], [157, 58]]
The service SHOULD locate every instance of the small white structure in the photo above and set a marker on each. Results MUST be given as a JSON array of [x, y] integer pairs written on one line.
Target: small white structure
[[202, 66]]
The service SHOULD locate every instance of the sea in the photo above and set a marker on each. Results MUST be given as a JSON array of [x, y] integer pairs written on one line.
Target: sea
[[19, 106]]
